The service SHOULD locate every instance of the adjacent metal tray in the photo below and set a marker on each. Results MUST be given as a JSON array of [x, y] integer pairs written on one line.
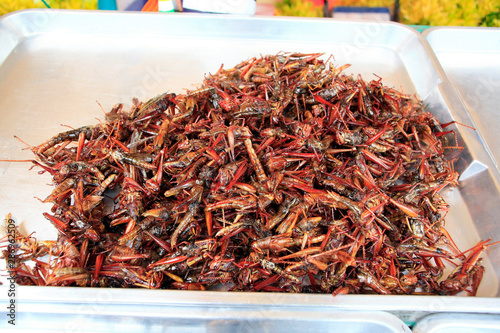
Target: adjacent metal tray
[[55, 65], [458, 323]]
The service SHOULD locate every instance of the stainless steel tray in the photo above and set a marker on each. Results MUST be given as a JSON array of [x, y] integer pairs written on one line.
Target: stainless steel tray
[[470, 58], [111, 310], [458, 323], [55, 65]]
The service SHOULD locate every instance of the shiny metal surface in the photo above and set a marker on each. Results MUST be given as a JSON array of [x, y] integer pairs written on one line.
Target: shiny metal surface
[[458, 323], [470, 58], [106, 310], [55, 65]]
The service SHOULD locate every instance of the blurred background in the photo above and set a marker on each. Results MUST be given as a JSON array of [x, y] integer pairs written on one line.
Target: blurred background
[[412, 12]]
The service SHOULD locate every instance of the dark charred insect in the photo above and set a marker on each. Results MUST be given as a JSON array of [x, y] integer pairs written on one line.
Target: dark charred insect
[[72, 135], [158, 104]]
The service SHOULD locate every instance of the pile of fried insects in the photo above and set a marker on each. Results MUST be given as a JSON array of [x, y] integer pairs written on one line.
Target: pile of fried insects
[[281, 174]]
